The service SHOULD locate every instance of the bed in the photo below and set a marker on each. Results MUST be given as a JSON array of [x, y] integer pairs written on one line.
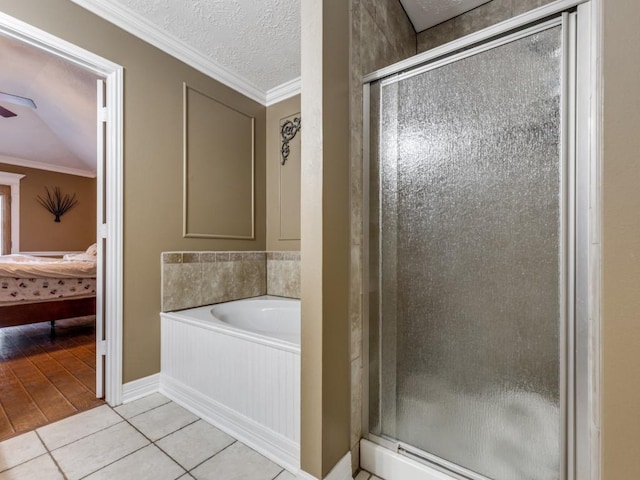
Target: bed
[[38, 289]]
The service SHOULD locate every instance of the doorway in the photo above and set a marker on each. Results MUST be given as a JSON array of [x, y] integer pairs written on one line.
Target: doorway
[[109, 128]]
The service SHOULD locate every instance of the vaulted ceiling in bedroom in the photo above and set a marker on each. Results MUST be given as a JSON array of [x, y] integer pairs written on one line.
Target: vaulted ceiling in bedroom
[[61, 131]]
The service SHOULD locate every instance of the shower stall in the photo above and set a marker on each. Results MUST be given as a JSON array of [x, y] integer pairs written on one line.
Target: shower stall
[[478, 248]]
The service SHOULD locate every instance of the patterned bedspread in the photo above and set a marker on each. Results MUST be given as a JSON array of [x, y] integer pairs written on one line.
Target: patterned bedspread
[[28, 289], [26, 266]]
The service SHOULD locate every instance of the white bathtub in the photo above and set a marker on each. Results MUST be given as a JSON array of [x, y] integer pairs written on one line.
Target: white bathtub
[[237, 365]]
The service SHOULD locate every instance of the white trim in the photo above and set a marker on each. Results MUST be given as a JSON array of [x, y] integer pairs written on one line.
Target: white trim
[[33, 36], [139, 26], [390, 465], [23, 32], [100, 231], [21, 162], [341, 471], [13, 180], [140, 388], [590, 450], [275, 447], [284, 91], [114, 202]]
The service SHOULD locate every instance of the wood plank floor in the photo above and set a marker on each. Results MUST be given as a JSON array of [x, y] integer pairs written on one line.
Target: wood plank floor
[[45, 378]]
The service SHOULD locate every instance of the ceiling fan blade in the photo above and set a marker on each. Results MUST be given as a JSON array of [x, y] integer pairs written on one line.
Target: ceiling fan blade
[[6, 113], [17, 100]]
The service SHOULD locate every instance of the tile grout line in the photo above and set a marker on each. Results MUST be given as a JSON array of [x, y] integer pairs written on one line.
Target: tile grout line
[[81, 438], [183, 427], [137, 414], [177, 462], [48, 452], [55, 462], [217, 453], [279, 473], [150, 442], [116, 460], [124, 420], [151, 409], [198, 419], [154, 442], [186, 472]]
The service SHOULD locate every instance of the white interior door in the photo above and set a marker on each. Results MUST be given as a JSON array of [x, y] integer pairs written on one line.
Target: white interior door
[[100, 239]]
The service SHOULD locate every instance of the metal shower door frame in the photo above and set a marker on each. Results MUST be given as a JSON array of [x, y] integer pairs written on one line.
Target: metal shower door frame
[[580, 116]]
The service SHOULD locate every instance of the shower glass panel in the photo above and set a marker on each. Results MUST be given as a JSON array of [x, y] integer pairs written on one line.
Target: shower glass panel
[[467, 248]]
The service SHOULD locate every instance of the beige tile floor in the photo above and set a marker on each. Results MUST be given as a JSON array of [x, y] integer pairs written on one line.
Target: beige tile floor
[[151, 438]]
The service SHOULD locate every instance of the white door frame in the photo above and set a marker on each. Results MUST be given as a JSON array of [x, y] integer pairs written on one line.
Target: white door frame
[[112, 230]]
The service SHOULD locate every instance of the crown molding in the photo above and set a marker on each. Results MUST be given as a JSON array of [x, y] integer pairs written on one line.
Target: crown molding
[[140, 27], [284, 91], [21, 162]]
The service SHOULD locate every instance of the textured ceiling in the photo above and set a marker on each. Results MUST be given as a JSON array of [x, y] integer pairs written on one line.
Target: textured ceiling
[[259, 40], [62, 130], [427, 13]]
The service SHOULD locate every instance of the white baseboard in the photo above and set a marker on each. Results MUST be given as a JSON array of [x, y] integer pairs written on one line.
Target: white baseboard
[[341, 471], [140, 388], [390, 465], [269, 443]]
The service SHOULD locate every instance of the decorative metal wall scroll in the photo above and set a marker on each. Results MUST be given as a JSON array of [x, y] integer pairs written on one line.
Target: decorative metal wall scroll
[[288, 131]]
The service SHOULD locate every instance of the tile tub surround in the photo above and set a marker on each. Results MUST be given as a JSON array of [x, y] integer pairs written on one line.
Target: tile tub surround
[[283, 274], [123, 444], [193, 279]]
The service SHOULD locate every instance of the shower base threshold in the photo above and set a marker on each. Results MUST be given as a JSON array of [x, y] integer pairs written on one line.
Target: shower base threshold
[[390, 465]]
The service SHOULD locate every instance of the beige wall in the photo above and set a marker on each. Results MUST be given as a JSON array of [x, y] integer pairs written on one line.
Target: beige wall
[[325, 235], [621, 242], [275, 113], [152, 162], [38, 231]]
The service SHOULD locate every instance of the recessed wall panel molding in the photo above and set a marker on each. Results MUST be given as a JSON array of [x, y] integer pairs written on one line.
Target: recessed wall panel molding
[[290, 183], [219, 169]]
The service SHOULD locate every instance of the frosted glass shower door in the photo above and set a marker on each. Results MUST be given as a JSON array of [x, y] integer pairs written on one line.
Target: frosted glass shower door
[[467, 238]]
